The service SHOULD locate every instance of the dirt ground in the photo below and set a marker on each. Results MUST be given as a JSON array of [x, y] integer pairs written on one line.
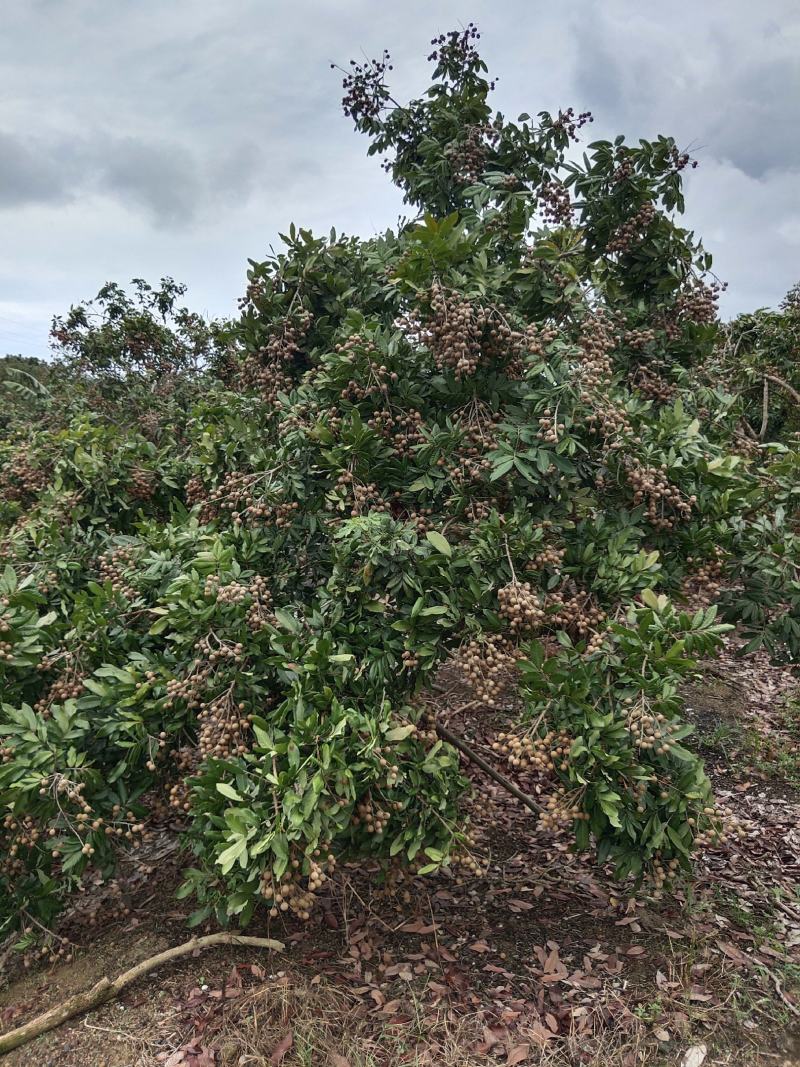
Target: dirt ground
[[543, 959]]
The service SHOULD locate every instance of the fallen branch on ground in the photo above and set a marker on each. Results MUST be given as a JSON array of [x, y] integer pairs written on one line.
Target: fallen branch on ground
[[106, 989]]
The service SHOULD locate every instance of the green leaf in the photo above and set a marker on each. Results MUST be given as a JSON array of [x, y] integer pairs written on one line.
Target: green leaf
[[441, 544], [228, 791]]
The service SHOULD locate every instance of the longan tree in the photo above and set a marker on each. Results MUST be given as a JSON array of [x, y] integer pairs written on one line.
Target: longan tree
[[476, 438]]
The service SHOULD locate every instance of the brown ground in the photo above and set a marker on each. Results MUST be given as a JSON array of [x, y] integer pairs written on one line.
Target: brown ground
[[542, 960]]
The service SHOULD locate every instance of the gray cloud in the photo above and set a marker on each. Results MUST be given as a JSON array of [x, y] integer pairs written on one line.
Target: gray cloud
[[145, 139], [166, 181], [28, 173]]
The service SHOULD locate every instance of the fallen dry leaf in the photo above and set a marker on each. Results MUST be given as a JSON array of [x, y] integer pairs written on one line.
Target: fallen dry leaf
[[694, 1056], [479, 946], [517, 1054], [282, 1048]]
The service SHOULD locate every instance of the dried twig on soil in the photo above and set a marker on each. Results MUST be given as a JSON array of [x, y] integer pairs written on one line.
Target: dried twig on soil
[[107, 989]]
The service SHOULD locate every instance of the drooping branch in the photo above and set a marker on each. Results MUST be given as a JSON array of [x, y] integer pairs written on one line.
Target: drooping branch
[[793, 393], [107, 989], [479, 761]]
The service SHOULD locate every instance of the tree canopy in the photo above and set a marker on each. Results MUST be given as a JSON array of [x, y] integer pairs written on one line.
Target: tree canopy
[[235, 554]]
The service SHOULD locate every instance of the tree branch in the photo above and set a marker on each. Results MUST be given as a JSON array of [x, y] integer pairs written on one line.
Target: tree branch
[[762, 433], [106, 989], [784, 385], [479, 761]]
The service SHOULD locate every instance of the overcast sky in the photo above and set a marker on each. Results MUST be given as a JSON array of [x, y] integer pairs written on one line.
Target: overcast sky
[[141, 138]]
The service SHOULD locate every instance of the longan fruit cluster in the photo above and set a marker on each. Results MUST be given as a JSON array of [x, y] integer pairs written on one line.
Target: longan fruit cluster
[[46, 585], [195, 490], [452, 333], [288, 894], [462, 336], [560, 813], [638, 338], [578, 613], [487, 664], [142, 484], [626, 235], [409, 660], [279, 514], [625, 166], [189, 690], [478, 424], [550, 556], [477, 510], [259, 614], [651, 484], [652, 385], [660, 874], [273, 370], [376, 377], [554, 202], [365, 95], [549, 428], [231, 593], [52, 949], [467, 470], [528, 752], [370, 816], [421, 520], [649, 731], [223, 727], [463, 860], [594, 642], [233, 491], [596, 343], [20, 834], [698, 304], [606, 417], [521, 607], [723, 824], [467, 156], [701, 587], [20, 479], [570, 123], [362, 498], [150, 424], [187, 760], [67, 686], [401, 429], [115, 566]]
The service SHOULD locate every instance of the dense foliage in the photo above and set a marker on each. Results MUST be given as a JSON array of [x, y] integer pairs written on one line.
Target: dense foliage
[[234, 555], [759, 359]]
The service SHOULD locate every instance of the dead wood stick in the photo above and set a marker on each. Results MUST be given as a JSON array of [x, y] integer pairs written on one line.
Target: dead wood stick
[[107, 989], [479, 761]]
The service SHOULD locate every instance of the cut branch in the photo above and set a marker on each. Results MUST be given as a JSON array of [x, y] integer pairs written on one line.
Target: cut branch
[[106, 989], [479, 761]]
